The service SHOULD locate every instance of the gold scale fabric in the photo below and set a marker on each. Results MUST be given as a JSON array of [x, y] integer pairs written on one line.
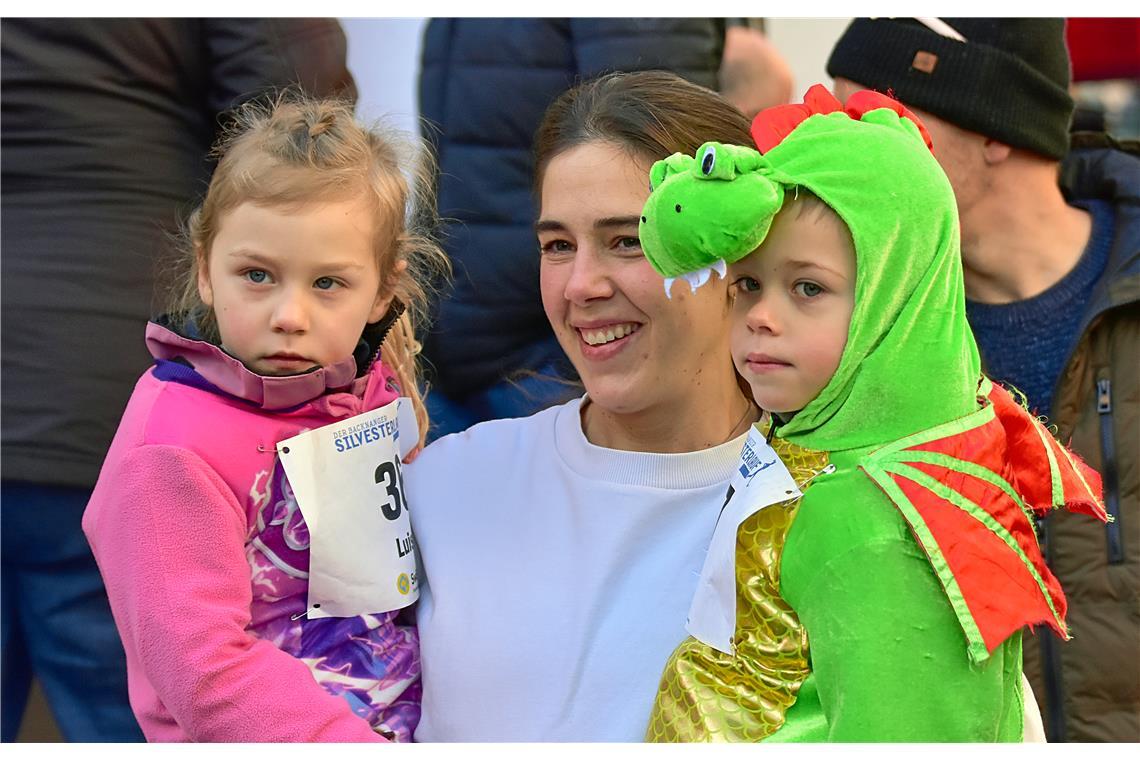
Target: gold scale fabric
[[708, 696]]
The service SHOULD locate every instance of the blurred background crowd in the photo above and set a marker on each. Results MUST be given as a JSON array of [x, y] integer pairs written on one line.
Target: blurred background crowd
[[107, 125]]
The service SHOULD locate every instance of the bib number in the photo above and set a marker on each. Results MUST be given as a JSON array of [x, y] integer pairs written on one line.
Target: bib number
[[362, 560]]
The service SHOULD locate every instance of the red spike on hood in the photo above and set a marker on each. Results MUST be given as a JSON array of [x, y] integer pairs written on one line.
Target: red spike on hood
[[772, 125], [868, 100]]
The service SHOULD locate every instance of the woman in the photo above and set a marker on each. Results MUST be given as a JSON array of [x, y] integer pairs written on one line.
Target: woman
[[561, 551]]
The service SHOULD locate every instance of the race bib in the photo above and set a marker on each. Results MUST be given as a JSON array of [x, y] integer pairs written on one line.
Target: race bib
[[760, 480], [347, 481]]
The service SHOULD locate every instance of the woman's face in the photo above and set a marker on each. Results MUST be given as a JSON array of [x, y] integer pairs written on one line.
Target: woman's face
[[633, 348]]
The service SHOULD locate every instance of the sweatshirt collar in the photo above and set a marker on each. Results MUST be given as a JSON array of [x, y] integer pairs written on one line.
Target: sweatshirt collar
[[687, 470]]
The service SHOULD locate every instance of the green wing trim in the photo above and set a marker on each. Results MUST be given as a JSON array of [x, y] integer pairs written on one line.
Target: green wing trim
[[969, 468], [945, 430], [983, 517], [1054, 470]]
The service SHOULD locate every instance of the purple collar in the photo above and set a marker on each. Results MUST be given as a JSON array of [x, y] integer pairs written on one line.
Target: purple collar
[[231, 376]]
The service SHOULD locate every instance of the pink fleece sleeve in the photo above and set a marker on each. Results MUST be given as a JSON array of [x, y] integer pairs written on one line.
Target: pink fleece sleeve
[[172, 552]]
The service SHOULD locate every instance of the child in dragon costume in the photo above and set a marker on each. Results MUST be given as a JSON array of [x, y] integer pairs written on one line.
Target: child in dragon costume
[[886, 603]]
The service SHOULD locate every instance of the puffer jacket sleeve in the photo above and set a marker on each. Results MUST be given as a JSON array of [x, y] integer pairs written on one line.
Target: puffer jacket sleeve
[[248, 57], [179, 586], [689, 47]]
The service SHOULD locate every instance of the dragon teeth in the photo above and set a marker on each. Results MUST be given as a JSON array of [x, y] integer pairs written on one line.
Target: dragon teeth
[[697, 278]]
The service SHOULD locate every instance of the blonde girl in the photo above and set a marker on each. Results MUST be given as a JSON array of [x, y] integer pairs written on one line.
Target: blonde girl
[[301, 284]]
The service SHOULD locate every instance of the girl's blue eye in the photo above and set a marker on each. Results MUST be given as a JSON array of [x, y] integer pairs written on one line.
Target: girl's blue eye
[[325, 283], [629, 243], [257, 275], [808, 289]]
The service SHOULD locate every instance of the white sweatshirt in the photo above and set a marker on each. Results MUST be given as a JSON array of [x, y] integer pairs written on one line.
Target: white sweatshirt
[[559, 575]]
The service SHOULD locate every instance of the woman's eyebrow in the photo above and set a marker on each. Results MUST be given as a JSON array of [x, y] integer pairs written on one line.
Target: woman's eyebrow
[[549, 225], [617, 221], [606, 222]]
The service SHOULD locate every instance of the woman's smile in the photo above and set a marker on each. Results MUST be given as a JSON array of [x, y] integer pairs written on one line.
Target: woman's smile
[[599, 340]]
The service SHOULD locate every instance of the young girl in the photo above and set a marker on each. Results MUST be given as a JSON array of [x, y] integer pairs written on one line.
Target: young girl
[[887, 603], [300, 266]]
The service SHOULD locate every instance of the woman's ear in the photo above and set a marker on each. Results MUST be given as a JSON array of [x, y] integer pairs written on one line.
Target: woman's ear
[[205, 291], [387, 292]]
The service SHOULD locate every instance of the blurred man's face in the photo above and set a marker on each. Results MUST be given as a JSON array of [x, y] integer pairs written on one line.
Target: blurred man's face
[[958, 151]]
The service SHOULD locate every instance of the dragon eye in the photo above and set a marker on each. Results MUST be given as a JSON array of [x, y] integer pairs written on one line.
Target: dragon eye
[[708, 160]]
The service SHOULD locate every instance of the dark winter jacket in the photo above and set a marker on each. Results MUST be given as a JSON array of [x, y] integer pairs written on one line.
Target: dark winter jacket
[[106, 125], [1089, 690], [485, 83]]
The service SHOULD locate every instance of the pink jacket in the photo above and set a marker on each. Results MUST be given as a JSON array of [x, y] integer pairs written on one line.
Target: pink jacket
[[205, 558]]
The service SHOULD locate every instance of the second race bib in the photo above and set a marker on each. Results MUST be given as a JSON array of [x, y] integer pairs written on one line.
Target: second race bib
[[760, 480]]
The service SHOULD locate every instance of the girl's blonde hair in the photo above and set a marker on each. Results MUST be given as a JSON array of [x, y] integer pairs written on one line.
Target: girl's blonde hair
[[291, 151]]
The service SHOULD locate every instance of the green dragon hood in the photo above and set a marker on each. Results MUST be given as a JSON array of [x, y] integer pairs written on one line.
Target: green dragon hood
[[910, 361]]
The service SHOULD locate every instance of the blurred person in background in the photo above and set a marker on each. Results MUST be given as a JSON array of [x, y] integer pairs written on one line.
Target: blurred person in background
[[106, 128], [1052, 277], [1105, 53], [484, 85], [753, 73]]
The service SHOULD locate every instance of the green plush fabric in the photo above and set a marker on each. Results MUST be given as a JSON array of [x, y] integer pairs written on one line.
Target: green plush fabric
[[677, 230], [910, 361], [888, 655], [910, 358]]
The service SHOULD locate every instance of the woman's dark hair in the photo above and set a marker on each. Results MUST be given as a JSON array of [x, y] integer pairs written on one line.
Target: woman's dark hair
[[651, 114]]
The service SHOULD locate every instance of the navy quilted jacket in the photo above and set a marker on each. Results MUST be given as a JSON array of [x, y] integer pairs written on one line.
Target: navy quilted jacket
[[485, 84]]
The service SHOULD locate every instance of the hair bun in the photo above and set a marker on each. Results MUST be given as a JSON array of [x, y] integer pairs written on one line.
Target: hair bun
[[322, 125]]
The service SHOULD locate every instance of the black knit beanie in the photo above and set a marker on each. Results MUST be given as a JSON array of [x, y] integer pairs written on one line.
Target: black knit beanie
[[1009, 80]]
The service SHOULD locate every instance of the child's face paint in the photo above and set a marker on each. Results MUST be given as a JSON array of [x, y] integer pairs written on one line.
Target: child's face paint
[[793, 299], [293, 288], [634, 349]]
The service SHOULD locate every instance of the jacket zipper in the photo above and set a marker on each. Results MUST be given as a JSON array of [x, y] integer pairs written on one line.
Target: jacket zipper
[[1108, 471]]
